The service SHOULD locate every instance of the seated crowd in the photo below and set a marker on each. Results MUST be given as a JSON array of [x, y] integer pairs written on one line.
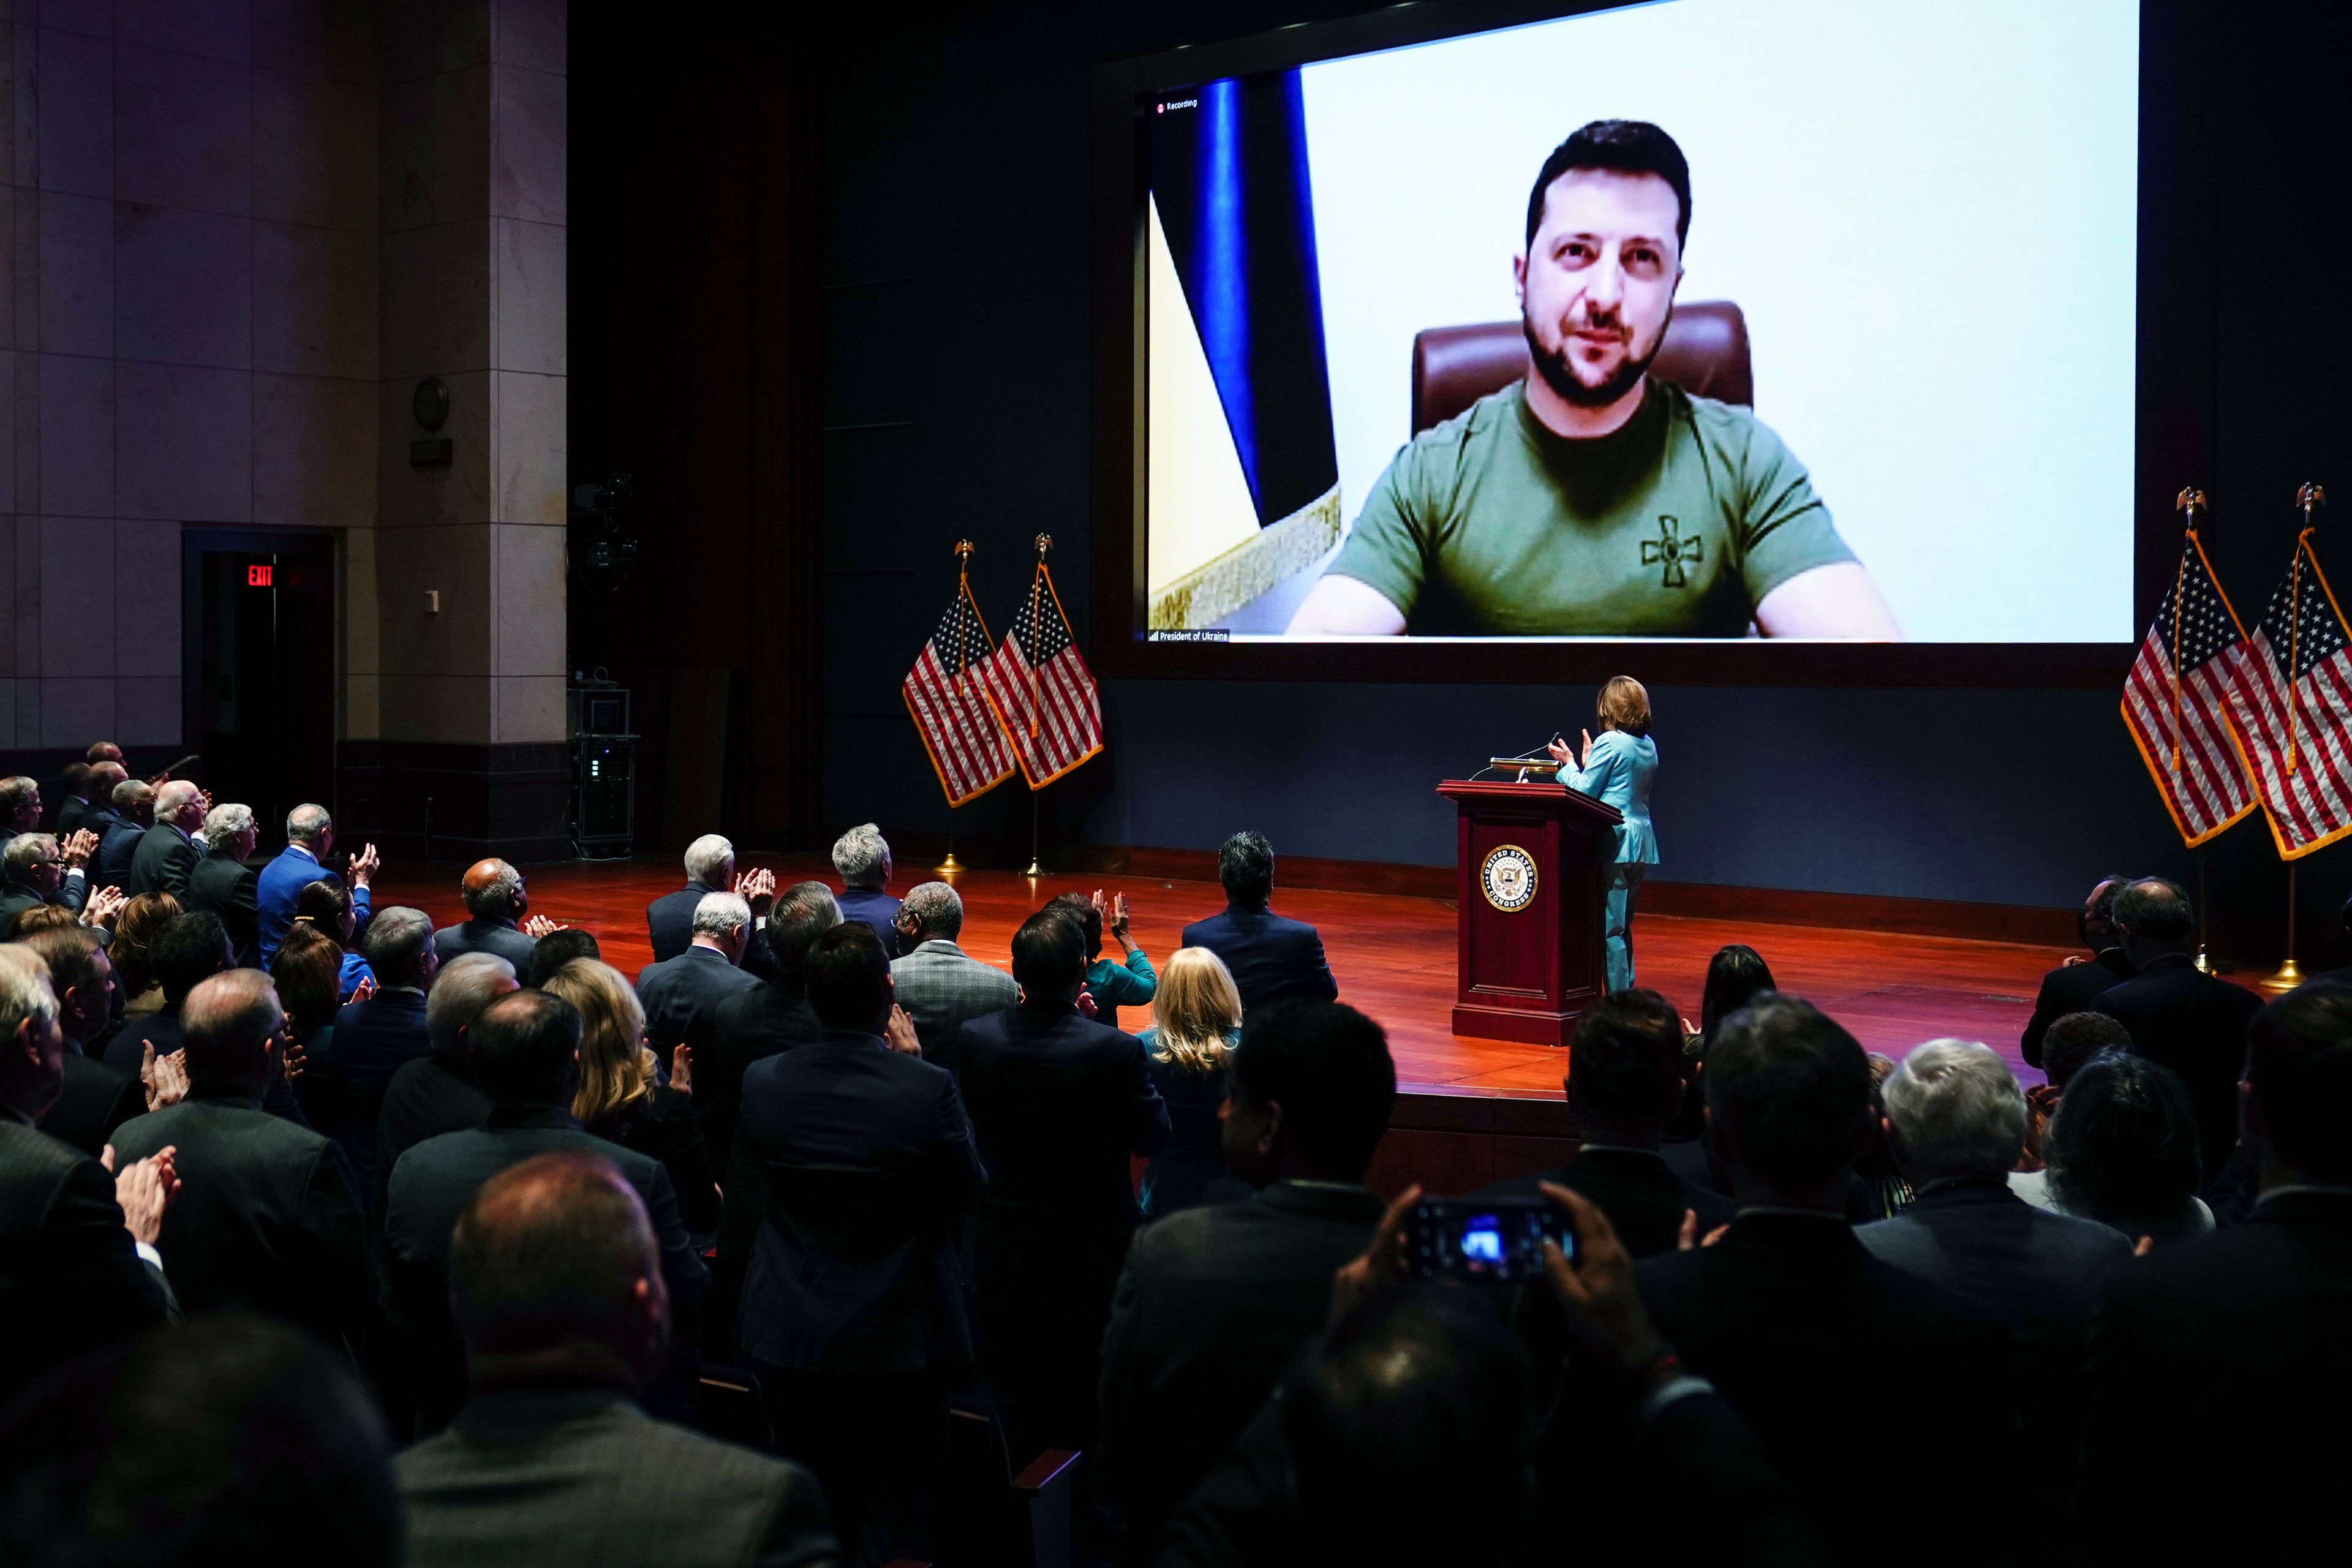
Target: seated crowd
[[320, 1223]]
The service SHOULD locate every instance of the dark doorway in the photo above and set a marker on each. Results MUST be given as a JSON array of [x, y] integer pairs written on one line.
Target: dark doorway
[[258, 623]]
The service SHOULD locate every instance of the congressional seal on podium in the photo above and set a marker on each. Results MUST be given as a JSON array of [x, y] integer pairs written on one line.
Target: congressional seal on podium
[[1507, 877]]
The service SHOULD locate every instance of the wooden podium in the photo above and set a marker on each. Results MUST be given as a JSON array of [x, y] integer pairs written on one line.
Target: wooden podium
[[1530, 881]]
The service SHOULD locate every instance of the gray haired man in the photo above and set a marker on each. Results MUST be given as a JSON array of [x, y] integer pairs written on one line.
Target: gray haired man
[[223, 883], [681, 994], [942, 987], [862, 856], [710, 868]]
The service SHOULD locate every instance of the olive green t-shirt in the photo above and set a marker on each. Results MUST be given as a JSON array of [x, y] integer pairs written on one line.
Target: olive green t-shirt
[[1674, 524]]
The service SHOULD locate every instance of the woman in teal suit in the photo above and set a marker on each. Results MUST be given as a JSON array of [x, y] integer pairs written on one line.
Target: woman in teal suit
[[1618, 769]]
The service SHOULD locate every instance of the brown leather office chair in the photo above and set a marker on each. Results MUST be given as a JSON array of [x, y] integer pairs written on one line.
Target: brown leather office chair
[[1705, 354]]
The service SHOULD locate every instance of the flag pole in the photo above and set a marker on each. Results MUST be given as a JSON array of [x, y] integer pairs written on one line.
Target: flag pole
[[2309, 498], [952, 868], [1036, 581], [2204, 963], [2189, 499]]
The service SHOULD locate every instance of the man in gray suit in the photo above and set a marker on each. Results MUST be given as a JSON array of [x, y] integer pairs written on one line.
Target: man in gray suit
[[559, 1295], [940, 987]]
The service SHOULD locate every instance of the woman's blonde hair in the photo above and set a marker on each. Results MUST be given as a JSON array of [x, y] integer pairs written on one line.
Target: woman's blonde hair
[[617, 1071], [1197, 1006], [1625, 705]]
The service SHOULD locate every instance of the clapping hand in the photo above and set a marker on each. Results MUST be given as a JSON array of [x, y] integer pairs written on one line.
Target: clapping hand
[[898, 1033], [143, 1190], [364, 865], [757, 888], [165, 1079], [78, 847], [364, 989], [681, 1067], [103, 906], [538, 926]]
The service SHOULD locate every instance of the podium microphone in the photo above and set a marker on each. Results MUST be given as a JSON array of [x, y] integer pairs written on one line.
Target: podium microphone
[[1527, 761]]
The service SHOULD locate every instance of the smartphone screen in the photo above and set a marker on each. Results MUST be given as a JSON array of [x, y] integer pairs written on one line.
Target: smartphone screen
[[1496, 1240]]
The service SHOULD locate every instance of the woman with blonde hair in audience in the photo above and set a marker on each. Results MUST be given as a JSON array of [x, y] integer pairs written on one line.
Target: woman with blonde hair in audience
[[1198, 1017], [620, 1096], [140, 918]]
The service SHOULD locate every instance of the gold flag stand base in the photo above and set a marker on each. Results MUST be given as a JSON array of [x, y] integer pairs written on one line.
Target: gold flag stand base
[[951, 866], [1033, 871], [2288, 977]]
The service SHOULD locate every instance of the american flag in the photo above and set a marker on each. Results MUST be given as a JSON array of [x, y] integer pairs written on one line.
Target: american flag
[[2182, 731], [1042, 689], [2290, 702], [968, 747]]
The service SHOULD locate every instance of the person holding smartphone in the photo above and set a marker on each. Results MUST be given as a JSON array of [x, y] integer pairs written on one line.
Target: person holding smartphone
[[1618, 769]]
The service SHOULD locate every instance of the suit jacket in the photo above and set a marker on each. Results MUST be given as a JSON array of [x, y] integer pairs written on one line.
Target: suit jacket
[[1059, 1104], [73, 813], [681, 996], [752, 1024], [2071, 988], [344, 1085], [502, 938], [1272, 959], [16, 897], [1212, 1304], [70, 1279], [281, 882], [431, 1185], [96, 1100], [423, 1100], [162, 863], [1643, 1196], [582, 1477], [669, 920], [266, 1218], [1620, 773], [119, 838], [942, 989], [878, 909], [855, 1167], [2196, 1025], [1804, 1330], [227, 887], [126, 1052], [2230, 1349]]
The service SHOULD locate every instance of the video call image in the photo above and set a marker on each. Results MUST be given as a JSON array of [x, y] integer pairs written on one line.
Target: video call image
[[1700, 319]]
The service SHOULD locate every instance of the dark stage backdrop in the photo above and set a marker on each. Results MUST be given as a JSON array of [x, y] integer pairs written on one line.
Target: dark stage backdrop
[[950, 301]]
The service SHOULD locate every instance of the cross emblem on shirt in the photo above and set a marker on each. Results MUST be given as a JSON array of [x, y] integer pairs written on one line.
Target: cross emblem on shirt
[[1671, 550]]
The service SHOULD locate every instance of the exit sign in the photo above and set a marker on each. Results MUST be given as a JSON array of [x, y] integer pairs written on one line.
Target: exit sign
[[256, 576]]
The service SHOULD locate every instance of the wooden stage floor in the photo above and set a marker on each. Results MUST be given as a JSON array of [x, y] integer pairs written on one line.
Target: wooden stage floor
[[1393, 956]]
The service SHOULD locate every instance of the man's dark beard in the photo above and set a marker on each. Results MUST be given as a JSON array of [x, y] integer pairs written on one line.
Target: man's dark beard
[[1554, 369]]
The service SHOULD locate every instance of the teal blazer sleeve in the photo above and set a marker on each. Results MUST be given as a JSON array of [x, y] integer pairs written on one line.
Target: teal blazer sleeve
[[1619, 773]]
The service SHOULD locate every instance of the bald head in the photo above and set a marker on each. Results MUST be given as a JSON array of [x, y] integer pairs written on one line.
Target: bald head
[[103, 752], [229, 1021], [103, 778], [181, 803], [493, 891], [554, 1258]]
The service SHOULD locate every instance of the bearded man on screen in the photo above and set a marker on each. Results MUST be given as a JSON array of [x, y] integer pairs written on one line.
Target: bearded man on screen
[[1589, 499]]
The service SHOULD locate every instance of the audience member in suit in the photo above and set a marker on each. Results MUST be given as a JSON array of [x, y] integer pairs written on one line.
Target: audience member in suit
[[1130, 983], [768, 1018], [2074, 986], [37, 872], [74, 803], [2123, 1149], [621, 1096], [556, 949], [2231, 1349], [682, 995], [223, 883], [439, 1094], [310, 839], [1625, 1081], [854, 1170], [343, 1086], [168, 852], [1955, 1120], [864, 861], [2067, 1046], [268, 1220], [561, 1299], [20, 806], [1199, 1016], [133, 813], [941, 987], [229, 1440], [184, 952], [98, 802], [1799, 1324], [526, 1050], [1271, 959], [1059, 1104], [94, 1099], [499, 922], [2178, 1015], [1214, 1302], [710, 868], [71, 1271]]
